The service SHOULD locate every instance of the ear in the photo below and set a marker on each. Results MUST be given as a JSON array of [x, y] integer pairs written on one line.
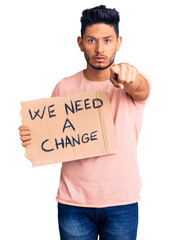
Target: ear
[[79, 41], [119, 42]]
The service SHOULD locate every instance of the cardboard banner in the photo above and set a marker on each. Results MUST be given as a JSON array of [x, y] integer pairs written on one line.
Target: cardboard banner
[[69, 128]]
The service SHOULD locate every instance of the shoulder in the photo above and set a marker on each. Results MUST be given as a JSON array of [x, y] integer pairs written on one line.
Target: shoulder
[[66, 85], [73, 77]]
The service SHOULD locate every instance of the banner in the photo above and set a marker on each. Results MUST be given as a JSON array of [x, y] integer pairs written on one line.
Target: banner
[[70, 127]]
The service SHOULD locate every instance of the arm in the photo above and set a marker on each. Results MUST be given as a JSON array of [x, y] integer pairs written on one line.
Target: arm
[[127, 77]]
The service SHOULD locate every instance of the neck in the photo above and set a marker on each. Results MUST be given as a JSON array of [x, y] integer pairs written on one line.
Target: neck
[[96, 75]]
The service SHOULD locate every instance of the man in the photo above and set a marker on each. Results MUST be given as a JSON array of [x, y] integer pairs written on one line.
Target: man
[[99, 195]]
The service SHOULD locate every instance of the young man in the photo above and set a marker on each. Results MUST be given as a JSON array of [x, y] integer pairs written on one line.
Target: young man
[[99, 195]]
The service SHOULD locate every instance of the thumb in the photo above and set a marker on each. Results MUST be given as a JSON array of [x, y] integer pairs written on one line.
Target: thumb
[[115, 69]]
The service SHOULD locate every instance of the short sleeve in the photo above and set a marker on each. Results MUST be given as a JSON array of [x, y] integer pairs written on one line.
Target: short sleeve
[[56, 91]]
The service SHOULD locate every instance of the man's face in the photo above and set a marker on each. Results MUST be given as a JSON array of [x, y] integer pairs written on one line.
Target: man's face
[[99, 44]]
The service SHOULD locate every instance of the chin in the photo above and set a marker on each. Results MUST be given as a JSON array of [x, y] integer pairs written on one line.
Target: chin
[[99, 67]]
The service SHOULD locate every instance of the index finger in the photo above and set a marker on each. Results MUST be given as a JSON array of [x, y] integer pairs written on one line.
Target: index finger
[[23, 128]]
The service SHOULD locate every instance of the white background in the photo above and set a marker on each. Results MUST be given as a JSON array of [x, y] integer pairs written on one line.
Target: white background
[[38, 47]]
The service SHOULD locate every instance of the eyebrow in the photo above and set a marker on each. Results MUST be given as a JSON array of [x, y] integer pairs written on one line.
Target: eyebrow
[[109, 36], [95, 38], [90, 37]]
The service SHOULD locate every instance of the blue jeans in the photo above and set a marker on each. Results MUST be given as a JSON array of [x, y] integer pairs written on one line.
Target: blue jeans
[[110, 223]]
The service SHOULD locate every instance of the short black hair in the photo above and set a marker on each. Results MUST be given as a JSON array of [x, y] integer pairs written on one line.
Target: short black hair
[[100, 14]]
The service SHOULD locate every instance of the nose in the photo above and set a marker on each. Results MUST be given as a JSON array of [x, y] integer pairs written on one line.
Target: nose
[[99, 47]]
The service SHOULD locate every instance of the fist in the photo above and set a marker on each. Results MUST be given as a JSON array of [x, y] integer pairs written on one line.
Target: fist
[[122, 74], [25, 135]]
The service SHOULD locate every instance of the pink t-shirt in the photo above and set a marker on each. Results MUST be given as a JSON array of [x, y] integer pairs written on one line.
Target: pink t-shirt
[[107, 180]]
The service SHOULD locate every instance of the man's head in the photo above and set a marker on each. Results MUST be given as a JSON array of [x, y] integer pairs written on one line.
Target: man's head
[[99, 36], [100, 14]]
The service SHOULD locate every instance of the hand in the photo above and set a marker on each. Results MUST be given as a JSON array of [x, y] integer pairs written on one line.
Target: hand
[[25, 135], [122, 75]]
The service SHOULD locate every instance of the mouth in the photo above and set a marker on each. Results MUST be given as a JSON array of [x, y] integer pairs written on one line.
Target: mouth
[[99, 59]]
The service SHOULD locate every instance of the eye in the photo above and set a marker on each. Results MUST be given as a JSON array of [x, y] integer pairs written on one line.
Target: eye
[[91, 40], [107, 40]]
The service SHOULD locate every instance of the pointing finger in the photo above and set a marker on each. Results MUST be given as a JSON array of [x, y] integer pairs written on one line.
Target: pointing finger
[[114, 72]]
